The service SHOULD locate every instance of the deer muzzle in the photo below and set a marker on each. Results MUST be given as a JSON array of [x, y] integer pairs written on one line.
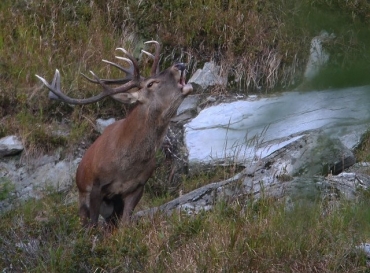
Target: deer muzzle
[[186, 88]]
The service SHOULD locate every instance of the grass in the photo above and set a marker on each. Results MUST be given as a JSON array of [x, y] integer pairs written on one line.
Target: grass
[[261, 45], [245, 236], [6, 187], [362, 151]]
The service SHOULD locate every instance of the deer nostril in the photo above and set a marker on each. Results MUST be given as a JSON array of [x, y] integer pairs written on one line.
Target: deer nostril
[[180, 66]]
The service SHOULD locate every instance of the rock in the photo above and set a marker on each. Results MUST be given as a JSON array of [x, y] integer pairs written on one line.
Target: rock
[[209, 76], [194, 201], [58, 176], [184, 117], [312, 153], [101, 124], [318, 55], [10, 145], [34, 178], [346, 184], [241, 131], [278, 175], [365, 247], [188, 109], [189, 104]]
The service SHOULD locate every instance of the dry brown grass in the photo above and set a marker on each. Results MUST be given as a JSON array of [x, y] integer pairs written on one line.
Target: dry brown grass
[[260, 45], [245, 236]]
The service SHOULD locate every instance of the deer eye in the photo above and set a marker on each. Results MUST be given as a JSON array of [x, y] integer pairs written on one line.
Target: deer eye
[[150, 84]]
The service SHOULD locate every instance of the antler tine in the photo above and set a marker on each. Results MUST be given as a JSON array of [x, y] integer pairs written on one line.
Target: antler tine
[[55, 82], [135, 65], [107, 81], [155, 57], [128, 71], [54, 87], [132, 80]]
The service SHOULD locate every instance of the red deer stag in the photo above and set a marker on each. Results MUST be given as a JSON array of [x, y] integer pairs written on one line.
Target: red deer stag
[[112, 173]]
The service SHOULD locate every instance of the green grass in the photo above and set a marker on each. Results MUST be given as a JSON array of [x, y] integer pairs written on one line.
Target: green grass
[[246, 236], [6, 187], [362, 151], [261, 45]]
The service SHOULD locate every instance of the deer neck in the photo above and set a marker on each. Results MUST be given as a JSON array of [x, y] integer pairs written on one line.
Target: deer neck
[[145, 124], [170, 109]]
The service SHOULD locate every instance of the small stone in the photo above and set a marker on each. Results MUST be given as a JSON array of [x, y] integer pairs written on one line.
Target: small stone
[[101, 124], [10, 145]]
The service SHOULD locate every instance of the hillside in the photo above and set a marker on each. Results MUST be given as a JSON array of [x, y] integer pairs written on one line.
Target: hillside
[[262, 46]]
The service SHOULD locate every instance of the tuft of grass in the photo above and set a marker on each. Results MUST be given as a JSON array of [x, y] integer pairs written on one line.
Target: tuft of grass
[[6, 187], [247, 235], [362, 151]]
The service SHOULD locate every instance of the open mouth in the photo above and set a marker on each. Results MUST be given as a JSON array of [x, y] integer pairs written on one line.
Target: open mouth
[[185, 88], [182, 77], [182, 70]]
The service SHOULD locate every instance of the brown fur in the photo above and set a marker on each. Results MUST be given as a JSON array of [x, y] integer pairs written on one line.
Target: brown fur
[[112, 174]]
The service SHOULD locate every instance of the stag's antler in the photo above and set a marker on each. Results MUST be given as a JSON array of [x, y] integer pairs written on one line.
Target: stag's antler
[[54, 87], [131, 70], [132, 79], [156, 57], [128, 71], [131, 60]]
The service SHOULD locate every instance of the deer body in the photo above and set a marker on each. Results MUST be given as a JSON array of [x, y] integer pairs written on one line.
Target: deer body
[[131, 147], [112, 173]]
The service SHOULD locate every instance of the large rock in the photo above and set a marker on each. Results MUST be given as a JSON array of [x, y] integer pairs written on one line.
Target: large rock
[[244, 131], [32, 178], [209, 76], [286, 173], [318, 55], [188, 109]]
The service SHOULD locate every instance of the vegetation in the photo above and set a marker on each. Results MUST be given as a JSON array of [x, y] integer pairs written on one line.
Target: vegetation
[[362, 151], [245, 236], [261, 45], [6, 187]]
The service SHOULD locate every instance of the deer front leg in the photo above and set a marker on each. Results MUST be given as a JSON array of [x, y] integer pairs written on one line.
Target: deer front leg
[[130, 203], [84, 211], [95, 202]]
